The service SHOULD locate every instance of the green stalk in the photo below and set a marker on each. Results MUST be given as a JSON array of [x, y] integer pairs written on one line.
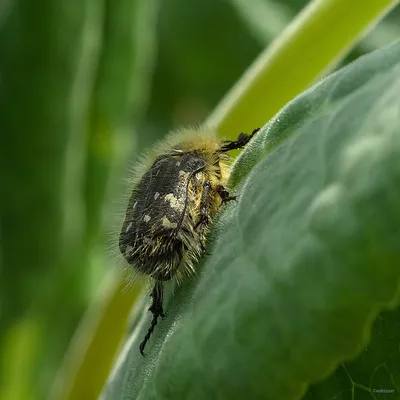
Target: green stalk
[[307, 49], [92, 350]]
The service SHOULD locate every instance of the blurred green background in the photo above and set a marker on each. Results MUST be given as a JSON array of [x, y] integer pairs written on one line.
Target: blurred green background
[[85, 86]]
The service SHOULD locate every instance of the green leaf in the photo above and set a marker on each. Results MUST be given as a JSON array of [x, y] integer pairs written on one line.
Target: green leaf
[[301, 265]]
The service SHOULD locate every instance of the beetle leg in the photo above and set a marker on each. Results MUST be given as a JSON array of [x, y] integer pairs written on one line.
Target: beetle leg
[[192, 174], [204, 217], [156, 309], [224, 194], [240, 142]]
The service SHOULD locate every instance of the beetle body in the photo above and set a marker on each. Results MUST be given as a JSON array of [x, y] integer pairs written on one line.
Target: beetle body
[[180, 188], [164, 229]]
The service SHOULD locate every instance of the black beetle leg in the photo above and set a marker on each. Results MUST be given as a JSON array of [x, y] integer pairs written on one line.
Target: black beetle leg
[[156, 309], [240, 142], [224, 194], [204, 217]]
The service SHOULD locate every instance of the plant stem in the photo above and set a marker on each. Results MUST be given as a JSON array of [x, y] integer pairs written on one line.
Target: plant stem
[[307, 49]]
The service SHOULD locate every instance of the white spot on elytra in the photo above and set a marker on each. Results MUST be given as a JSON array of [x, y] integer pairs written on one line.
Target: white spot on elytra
[[134, 206], [156, 195], [147, 241], [128, 250], [167, 223], [146, 218], [178, 163], [173, 202], [128, 227]]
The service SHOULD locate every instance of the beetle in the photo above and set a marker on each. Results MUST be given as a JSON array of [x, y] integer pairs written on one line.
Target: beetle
[[178, 190]]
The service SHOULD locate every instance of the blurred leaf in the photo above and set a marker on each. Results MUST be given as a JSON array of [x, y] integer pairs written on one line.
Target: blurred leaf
[[20, 351], [47, 55], [301, 265], [383, 34], [41, 46], [195, 64], [120, 97], [265, 18], [93, 349], [308, 48]]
